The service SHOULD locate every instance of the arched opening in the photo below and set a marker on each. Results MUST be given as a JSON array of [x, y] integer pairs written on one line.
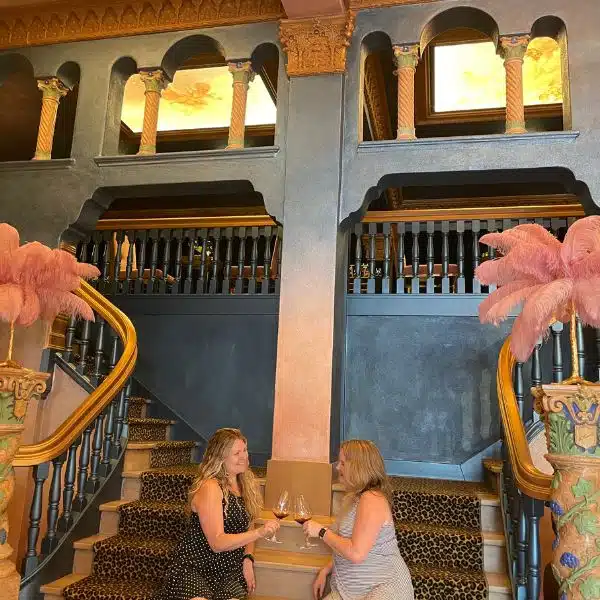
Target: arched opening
[[195, 107], [379, 114], [69, 74], [20, 106], [460, 83]]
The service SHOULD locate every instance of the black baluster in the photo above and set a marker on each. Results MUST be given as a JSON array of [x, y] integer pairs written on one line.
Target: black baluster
[[445, 257], [430, 283], [598, 353], [416, 228], [239, 281], [117, 446], [31, 560], [253, 259], [187, 284], [372, 258], [50, 540], [534, 510], [154, 238], [167, 235], [226, 288], [114, 288], [66, 520], [401, 229], [536, 378], [278, 245], [201, 285], [105, 466], [84, 345], [475, 229], [214, 278], [460, 231], [93, 482], [522, 543], [357, 282], [80, 501], [557, 358], [69, 335], [138, 287], [114, 349], [519, 388], [130, 236], [99, 354], [580, 347], [126, 408], [266, 282], [491, 227], [98, 259], [178, 236], [385, 282]]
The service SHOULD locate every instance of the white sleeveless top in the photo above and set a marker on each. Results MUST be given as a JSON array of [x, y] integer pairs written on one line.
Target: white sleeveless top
[[383, 567]]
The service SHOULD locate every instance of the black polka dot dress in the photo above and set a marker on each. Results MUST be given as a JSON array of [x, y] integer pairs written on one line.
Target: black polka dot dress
[[198, 572]]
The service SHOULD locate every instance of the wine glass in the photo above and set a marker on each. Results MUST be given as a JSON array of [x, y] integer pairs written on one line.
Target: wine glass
[[302, 513], [281, 510]]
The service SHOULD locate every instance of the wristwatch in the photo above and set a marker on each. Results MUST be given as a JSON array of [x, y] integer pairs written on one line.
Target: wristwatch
[[322, 532]]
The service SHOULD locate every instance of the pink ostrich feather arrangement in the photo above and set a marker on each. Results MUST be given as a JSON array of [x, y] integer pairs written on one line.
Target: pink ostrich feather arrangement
[[553, 281], [37, 282]]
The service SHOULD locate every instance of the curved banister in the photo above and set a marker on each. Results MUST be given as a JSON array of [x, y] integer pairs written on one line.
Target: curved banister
[[100, 398], [529, 479]]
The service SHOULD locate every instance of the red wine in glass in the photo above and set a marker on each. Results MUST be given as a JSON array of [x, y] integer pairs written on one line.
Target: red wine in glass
[[281, 510], [302, 513]]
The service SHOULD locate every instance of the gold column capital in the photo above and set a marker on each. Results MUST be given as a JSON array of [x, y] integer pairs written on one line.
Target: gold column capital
[[52, 88], [513, 47], [407, 56], [241, 71], [154, 80]]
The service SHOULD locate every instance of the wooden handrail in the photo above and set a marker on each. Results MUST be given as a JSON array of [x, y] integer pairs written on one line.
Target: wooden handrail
[[529, 479], [474, 213], [185, 223], [100, 398]]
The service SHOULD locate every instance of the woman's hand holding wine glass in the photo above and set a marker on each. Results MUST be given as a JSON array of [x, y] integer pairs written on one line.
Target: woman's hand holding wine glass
[[281, 510], [302, 515]]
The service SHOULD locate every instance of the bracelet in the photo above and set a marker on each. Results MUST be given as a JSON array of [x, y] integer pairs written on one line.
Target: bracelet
[[323, 532], [249, 557]]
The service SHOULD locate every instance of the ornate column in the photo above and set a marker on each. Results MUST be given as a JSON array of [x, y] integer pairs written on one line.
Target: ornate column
[[407, 59], [52, 90], [512, 49], [155, 81], [17, 386], [242, 76]]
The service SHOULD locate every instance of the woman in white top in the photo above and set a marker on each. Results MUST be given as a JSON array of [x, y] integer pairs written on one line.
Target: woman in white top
[[366, 563]]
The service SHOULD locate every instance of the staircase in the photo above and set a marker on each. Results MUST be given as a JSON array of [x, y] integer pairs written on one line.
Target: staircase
[[449, 533]]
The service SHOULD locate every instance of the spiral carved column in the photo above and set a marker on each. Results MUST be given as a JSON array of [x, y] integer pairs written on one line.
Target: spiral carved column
[[407, 59], [52, 91], [513, 50], [155, 82], [17, 387], [242, 76]]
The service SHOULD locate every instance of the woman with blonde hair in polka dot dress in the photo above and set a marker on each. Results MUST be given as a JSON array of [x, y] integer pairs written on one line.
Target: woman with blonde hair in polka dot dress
[[214, 559], [366, 563]]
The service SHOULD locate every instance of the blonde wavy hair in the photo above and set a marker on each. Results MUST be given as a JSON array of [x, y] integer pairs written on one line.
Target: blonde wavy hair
[[364, 471], [213, 467]]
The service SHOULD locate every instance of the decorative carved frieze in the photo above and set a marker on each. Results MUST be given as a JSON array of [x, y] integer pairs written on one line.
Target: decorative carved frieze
[[362, 4], [316, 46], [56, 22]]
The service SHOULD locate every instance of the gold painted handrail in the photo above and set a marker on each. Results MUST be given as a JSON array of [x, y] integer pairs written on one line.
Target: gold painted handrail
[[100, 398], [529, 479], [185, 222], [481, 213]]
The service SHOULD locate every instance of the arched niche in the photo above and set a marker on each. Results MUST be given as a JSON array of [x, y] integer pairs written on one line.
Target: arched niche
[[69, 74]]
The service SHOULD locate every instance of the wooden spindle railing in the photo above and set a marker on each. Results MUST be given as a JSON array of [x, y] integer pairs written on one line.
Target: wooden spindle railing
[[203, 255]]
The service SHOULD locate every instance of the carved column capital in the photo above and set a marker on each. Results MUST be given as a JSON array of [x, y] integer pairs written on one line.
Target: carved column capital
[[241, 71], [52, 88], [155, 80], [513, 47], [316, 46], [407, 56]]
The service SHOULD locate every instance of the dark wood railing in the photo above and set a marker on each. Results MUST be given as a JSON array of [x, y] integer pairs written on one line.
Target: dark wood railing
[[436, 251], [204, 255]]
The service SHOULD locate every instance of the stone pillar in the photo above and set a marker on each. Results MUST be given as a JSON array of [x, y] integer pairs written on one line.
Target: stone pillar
[[155, 82], [52, 90], [407, 59], [242, 76], [512, 49], [311, 297]]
